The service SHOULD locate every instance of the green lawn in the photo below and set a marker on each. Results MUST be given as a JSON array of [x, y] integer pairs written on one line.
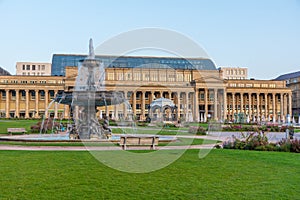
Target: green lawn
[[179, 142], [223, 174], [4, 124]]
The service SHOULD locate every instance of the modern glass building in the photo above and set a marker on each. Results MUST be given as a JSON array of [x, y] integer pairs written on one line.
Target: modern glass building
[[60, 61]]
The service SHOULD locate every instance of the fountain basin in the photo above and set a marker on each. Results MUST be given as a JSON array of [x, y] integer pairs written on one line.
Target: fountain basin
[[65, 138], [98, 98]]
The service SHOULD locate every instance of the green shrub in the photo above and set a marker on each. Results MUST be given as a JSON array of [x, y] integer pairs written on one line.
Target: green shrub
[[198, 130]]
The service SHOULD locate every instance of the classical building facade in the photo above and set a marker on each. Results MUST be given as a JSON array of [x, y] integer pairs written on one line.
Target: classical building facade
[[234, 72], [293, 82], [33, 69], [199, 92]]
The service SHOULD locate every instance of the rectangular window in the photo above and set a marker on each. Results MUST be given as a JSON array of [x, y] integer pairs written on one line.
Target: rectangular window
[[154, 76], [137, 76], [110, 76], [202, 96], [120, 76], [51, 93], [27, 67], [42, 95], [171, 77], [162, 77], [146, 77], [32, 95], [3, 95], [128, 76], [138, 96], [23, 67], [23, 95], [129, 95], [33, 67], [179, 77], [187, 77], [43, 67], [13, 95]]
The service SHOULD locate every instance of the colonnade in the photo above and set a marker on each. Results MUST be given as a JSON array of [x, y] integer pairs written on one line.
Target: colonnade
[[30, 103], [258, 106]]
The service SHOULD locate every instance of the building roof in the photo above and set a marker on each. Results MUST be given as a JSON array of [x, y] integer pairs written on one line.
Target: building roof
[[3, 72], [60, 61], [288, 76]]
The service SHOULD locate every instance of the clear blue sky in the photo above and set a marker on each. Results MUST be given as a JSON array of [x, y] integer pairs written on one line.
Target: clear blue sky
[[263, 35]]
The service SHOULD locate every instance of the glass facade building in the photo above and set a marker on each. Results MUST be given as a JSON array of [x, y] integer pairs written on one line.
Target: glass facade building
[[60, 61]]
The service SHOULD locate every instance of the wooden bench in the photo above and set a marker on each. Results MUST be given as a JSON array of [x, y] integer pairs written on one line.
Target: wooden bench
[[16, 130], [151, 141]]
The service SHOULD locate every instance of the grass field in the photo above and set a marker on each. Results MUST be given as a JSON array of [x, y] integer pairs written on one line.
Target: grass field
[[4, 124], [223, 174], [179, 142]]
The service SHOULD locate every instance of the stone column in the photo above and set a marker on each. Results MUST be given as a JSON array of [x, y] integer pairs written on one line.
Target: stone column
[[125, 106], [7, 115], [233, 104], [17, 112], [281, 106], [225, 104], [290, 105], [273, 106], [27, 104], [160, 94], [46, 103], [143, 105], [116, 117], [205, 104], [134, 102], [258, 102], [178, 104], [285, 108], [55, 106], [216, 104], [36, 103], [151, 96], [196, 105], [242, 102], [66, 112], [170, 95], [250, 106], [186, 105], [266, 106]]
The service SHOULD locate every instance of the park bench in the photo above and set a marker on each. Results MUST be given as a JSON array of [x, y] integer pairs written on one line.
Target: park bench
[[16, 130], [126, 141]]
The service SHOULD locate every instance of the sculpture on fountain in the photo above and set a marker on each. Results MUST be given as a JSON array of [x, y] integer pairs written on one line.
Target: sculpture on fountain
[[89, 93]]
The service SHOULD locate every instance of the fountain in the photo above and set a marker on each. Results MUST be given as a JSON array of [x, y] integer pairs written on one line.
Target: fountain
[[89, 93]]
